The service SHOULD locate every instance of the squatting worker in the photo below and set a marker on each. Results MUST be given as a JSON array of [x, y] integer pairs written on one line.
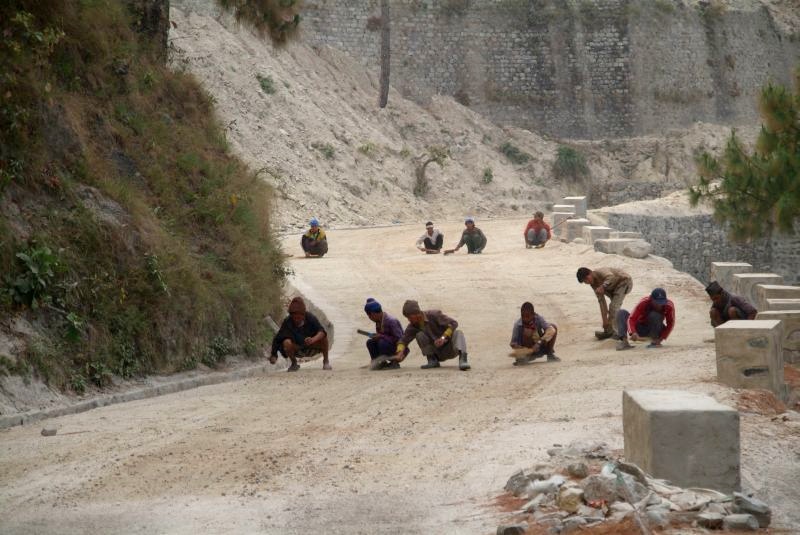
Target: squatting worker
[[437, 334], [726, 306], [383, 342], [472, 237], [431, 241], [611, 283], [314, 242], [537, 233], [532, 331], [653, 318], [301, 335]]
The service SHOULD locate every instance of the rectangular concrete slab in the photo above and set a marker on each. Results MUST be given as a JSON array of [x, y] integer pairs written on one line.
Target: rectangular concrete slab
[[574, 228], [564, 208], [592, 233], [580, 203], [750, 355], [790, 328], [723, 272], [744, 283], [612, 245], [625, 234], [774, 291], [558, 219], [783, 304], [688, 438]]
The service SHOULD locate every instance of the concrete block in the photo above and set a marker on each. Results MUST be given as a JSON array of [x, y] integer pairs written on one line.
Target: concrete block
[[591, 233], [774, 291], [564, 208], [744, 284], [612, 245], [783, 304], [558, 219], [790, 332], [624, 234], [723, 272], [688, 438], [574, 228], [580, 204], [749, 354]]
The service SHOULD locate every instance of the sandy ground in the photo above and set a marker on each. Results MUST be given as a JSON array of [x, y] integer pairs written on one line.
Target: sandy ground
[[406, 451]]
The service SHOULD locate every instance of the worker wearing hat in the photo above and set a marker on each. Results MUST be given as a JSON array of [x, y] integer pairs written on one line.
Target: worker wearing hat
[[436, 333], [472, 237], [314, 242], [653, 317]]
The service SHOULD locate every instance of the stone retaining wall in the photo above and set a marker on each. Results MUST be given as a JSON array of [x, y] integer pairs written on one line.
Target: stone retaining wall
[[581, 69]]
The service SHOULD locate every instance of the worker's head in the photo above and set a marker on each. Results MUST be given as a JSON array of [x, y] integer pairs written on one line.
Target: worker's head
[[297, 310], [470, 223], [373, 309], [313, 223], [538, 215], [429, 228], [526, 312], [585, 275], [715, 292], [412, 312], [658, 298]]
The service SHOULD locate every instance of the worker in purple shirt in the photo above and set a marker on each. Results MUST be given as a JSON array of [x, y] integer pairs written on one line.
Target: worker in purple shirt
[[726, 306], [383, 342]]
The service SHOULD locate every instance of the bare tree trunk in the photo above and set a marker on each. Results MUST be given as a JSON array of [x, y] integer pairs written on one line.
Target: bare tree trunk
[[385, 54]]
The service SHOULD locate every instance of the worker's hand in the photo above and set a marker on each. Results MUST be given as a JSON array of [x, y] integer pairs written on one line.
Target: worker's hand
[[536, 347], [515, 346], [600, 290], [308, 340], [439, 342], [273, 359], [634, 337], [399, 356]]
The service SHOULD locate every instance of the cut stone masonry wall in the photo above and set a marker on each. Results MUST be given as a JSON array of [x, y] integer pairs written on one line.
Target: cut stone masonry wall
[[580, 69]]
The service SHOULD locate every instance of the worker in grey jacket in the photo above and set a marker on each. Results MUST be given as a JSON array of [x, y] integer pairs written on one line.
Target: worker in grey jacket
[[436, 333]]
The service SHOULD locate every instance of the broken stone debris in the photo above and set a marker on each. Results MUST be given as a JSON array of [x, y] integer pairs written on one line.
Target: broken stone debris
[[49, 432], [614, 490]]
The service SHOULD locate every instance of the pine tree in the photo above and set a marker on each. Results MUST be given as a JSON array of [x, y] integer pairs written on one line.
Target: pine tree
[[757, 193]]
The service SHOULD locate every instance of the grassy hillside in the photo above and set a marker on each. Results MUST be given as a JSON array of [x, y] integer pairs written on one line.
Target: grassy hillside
[[130, 238]]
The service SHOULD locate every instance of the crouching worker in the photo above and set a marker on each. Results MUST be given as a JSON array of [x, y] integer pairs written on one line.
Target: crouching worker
[[300, 336], [726, 306], [653, 318], [437, 335], [382, 344], [533, 337], [314, 242], [431, 241]]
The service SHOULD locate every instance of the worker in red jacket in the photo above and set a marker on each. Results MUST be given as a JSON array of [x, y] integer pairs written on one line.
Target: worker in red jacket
[[653, 317]]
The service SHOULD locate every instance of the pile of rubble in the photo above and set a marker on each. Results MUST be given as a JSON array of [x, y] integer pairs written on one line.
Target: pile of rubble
[[584, 486]]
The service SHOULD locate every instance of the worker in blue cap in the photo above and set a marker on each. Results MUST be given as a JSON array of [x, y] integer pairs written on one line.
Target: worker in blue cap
[[382, 344], [314, 242], [653, 318]]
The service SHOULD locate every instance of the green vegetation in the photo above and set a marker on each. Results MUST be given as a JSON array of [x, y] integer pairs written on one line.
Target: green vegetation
[[754, 193], [266, 83], [278, 18], [488, 175], [570, 163], [144, 242], [436, 154], [514, 154], [368, 149], [326, 149]]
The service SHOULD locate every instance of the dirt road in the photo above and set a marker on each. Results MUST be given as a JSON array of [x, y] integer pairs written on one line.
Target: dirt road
[[406, 451]]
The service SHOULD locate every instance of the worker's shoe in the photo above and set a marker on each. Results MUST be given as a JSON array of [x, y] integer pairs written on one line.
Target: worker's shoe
[[551, 357], [391, 365], [623, 344], [463, 365], [293, 368], [603, 335], [433, 362]]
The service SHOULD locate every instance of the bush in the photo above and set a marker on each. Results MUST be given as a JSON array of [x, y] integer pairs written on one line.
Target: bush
[[514, 154], [326, 149], [267, 84], [34, 282], [569, 164], [488, 175]]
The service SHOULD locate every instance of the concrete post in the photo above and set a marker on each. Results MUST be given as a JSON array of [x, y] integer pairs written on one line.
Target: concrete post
[[790, 332], [574, 229], [591, 233], [688, 438], [783, 304], [774, 291], [723, 272], [558, 221], [744, 284], [749, 354], [579, 203]]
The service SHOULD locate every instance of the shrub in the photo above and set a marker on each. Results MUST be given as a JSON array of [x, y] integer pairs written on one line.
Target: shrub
[[326, 149], [488, 175], [267, 84], [368, 149], [34, 282], [570, 164], [514, 154]]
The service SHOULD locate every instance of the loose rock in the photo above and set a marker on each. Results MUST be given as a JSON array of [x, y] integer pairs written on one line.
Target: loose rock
[[753, 506], [49, 432], [637, 249], [741, 522], [518, 483], [657, 518], [514, 529], [578, 470], [710, 520], [600, 487], [570, 499], [572, 524]]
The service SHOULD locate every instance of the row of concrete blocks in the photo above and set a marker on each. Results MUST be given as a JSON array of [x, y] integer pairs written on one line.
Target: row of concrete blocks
[[570, 222], [751, 354]]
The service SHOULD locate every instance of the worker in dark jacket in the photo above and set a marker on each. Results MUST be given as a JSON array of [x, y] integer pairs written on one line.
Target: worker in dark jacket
[[472, 237], [301, 335], [533, 334], [437, 334], [314, 242], [383, 342], [726, 306]]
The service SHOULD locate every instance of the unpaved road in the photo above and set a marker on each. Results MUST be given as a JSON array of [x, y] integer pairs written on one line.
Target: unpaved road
[[406, 451]]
